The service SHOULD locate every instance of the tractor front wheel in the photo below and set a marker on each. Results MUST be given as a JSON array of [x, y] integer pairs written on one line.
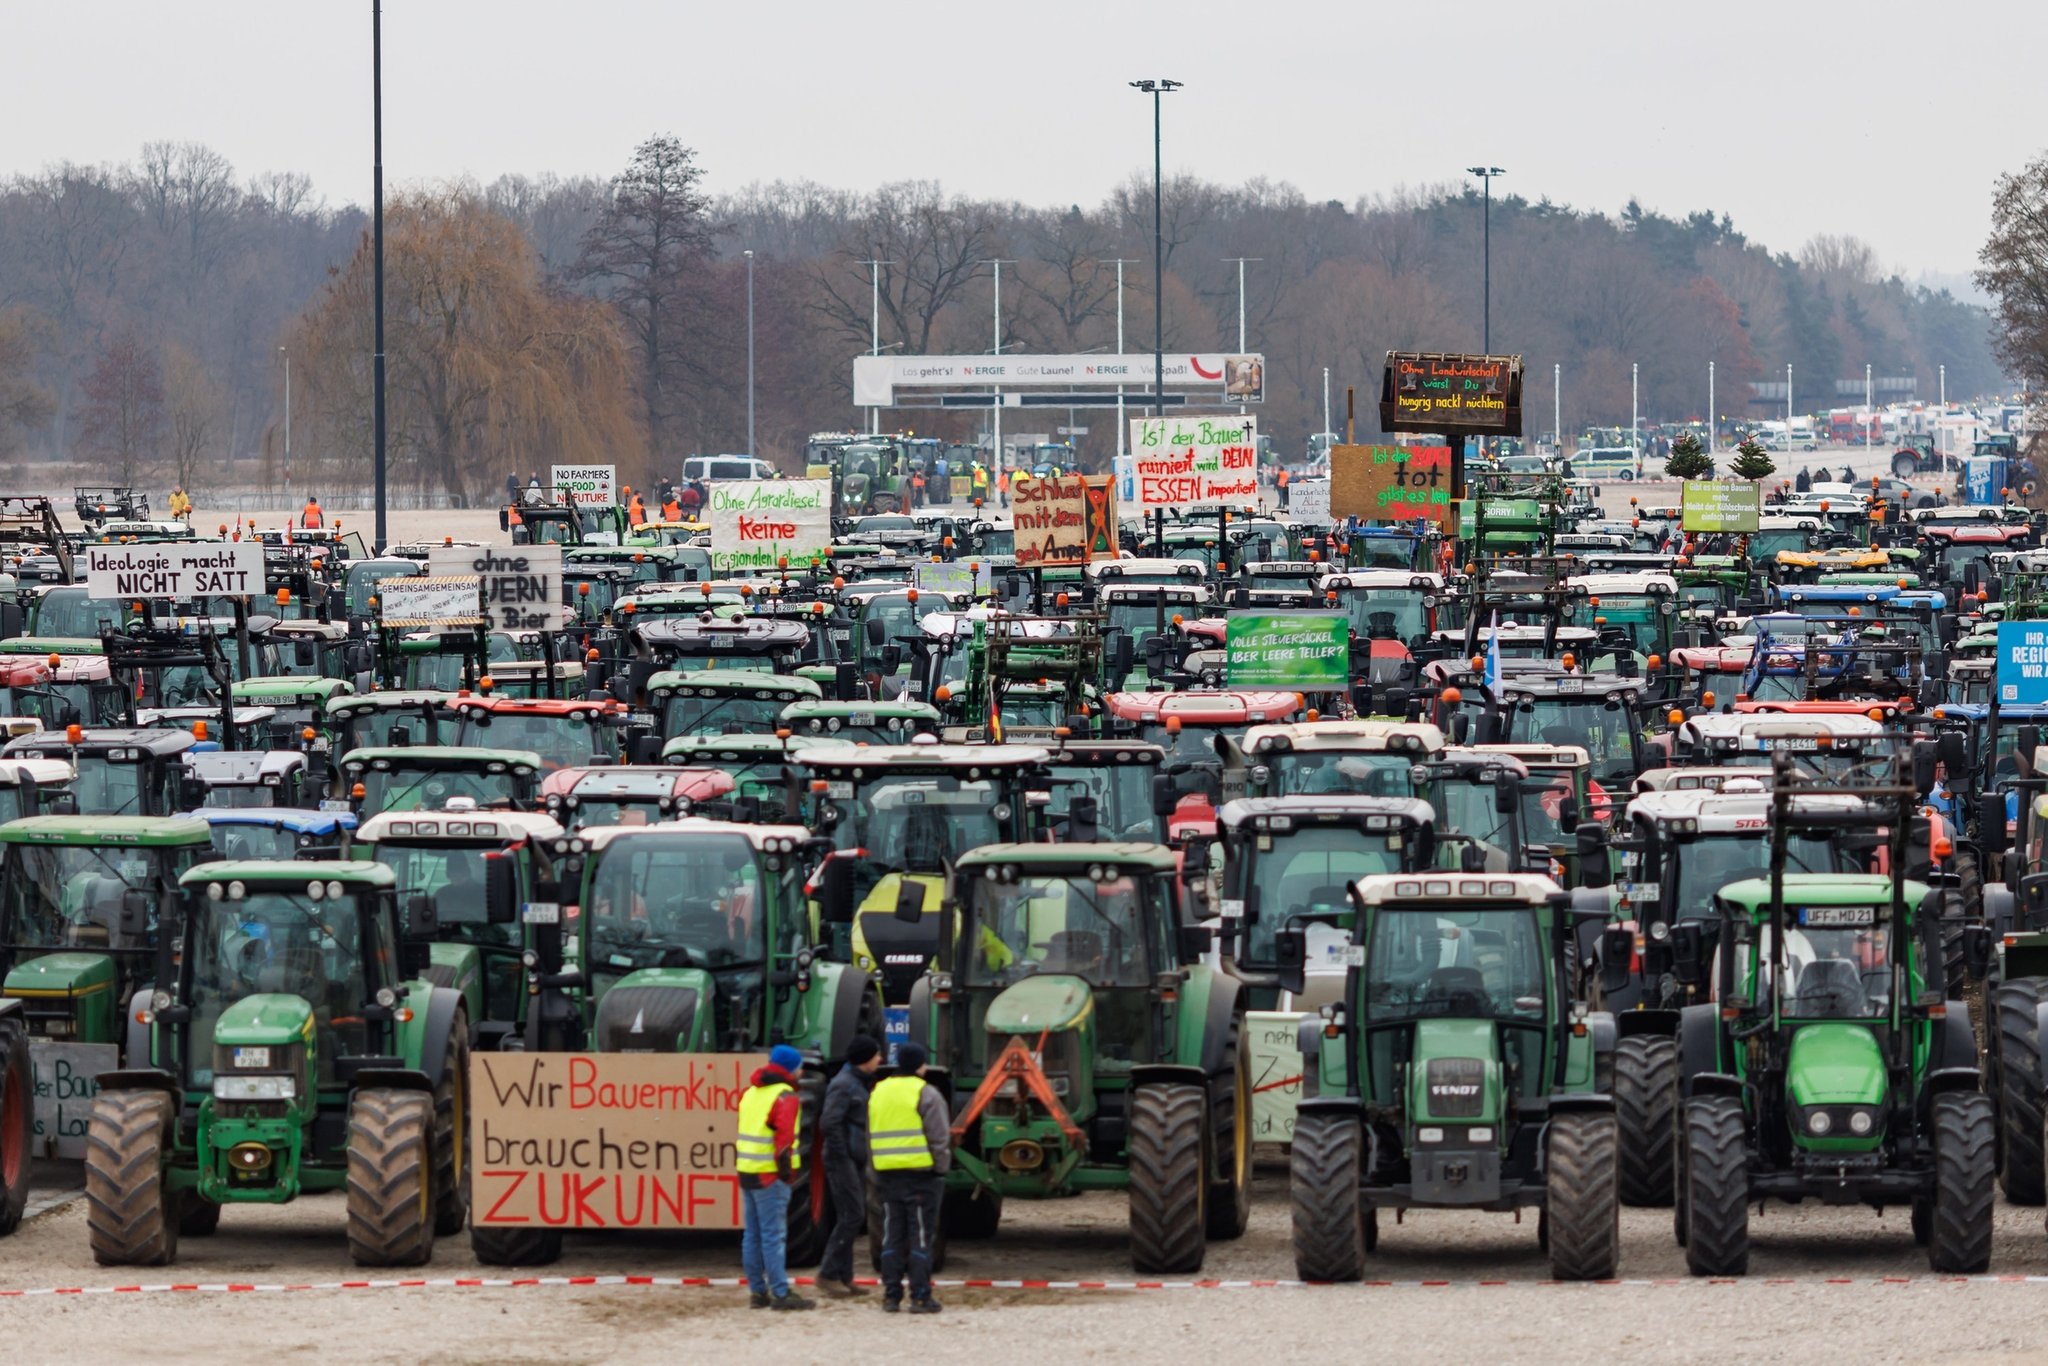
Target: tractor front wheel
[[515, 1246], [1582, 1196], [1965, 1133], [1646, 1108], [17, 1125], [451, 1134], [391, 1177], [2016, 1008], [1169, 1170], [198, 1217], [1716, 1187], [1230, 1146], [1330, 1233], [131, 1212]]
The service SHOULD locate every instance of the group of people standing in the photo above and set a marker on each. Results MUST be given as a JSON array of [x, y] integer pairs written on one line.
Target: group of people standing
[[889, 1130]]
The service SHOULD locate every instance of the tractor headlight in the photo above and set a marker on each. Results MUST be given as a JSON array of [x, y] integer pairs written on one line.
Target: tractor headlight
[[1861, 1122], [267, 1087], [1819, 1122]]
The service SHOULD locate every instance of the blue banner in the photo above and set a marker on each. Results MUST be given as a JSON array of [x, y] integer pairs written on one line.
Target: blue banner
[[2023, 663]]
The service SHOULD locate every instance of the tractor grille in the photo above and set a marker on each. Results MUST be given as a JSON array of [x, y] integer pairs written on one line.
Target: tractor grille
[[644, 1019], [1457, 1087]]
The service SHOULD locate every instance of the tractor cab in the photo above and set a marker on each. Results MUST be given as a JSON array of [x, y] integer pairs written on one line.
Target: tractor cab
[[119, 771], [1634, 612], [1142, 613], [564, 733], [754, 763], [1320, 758], [700, 642], [643, 794], [228, 779], [389, 719], [1477, 797], [277, 832], [35, 787], [718, 702], [1393, 615], [1102, 790], [58, 689], [859, 723], [382, 779], [1599, 713], [1187, 725]]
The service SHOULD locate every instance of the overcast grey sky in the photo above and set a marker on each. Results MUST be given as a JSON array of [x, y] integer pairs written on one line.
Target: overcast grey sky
[[1876, 118]]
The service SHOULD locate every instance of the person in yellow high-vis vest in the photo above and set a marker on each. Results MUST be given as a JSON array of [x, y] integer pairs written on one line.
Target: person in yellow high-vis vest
[[910, 1148], [769, 1164]]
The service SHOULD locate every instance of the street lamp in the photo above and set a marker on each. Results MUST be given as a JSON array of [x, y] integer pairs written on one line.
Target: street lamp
[[377, 250], [1156, 89], [286, 356], [750, 355], [1486, 175]]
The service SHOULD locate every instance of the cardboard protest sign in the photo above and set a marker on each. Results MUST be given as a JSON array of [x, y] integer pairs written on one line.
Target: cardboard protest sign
[[522, 585], [607, 1140], [415, 603], [1181, 462], [758, 523], [1305, 651], [1050, 514], [174, 569], [1391, 483], [64, 1078]]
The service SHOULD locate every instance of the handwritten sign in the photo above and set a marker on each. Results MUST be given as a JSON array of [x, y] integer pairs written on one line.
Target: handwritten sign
[[1455, 395], [1183, 462], [1391, 483], [607, 1140], [1050, 513], [414, 603], [172, 569], [757, 523], [962, 579], [1308, 500], [1274, 1063], [522, 584], [63, 1078]]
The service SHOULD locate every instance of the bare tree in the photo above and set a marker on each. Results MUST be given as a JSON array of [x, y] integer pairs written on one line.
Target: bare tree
[[24, 402], [931, 247], [2013, 270], [195, 415], [121, 417]]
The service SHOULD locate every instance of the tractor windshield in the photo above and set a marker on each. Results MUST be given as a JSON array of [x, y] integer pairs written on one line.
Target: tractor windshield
[[71, 612], [1308, 874], [361, 727], [1469, 817], [708, 711], [1459, 963], [58, 705], [285, 943], [684, 901], [1375, 774], [562, 739], [1123, 801], [1837, 966], [1101, 932], [1387, 613], [454, 876], [232, 796], [1197, 744], [428, 789], [237, 840], [107, 788], [1699, 868], [74, 896], [921, 823], [1605, 730]]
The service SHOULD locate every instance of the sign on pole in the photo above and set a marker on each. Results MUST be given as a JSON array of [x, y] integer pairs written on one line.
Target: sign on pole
[[594, 486], [174, 569], [607, 1140], [1719, 505], [2023, 663], [1308, 500], [757, 523], [1455, 395], [1391, 483], [522, 584], [1305, 651], [416, 603], [1181, 462]]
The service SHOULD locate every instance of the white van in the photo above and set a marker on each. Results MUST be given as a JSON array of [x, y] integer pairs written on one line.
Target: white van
[[725, 467], [1604, 462]]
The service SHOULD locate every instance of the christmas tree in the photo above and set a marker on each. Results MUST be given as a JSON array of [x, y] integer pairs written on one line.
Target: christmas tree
[[1688, 460], [1752, 461]]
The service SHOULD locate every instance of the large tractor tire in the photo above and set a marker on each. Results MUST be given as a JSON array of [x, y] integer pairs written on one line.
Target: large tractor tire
[[1716, 1194], [1322, 1187], [451, 1134], [515, 1246], [1169, 1186], [1230, 1146], [971, 1215], [198, 1217], [1646, 1109], [391, 1177], [1905, 466], [17, 1125], [131, 1212], [1965, 1137], [2020, 1088], [1582, 1195], [809, 1226]]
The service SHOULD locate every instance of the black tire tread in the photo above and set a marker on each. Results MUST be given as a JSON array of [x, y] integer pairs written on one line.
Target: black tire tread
[[1717, 1187], [1230, 1197], [17, 1108], [451, 1156], [1965, 1136], [1169, 1177], [1646, 1107], [1582, 1195], [2020, 1089], [390, 1158], [496, 1246], [131, 1215], [1330, 1242]]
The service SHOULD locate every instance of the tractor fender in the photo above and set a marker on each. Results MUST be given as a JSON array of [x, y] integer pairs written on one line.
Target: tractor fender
[[144, 1079], [1715, 1084], [2040, 1024], [137, 1051], [1956, 1044], [1605, 1032], [843, 987], [2001, 909], [423, 1040], [1699, 1031], [1945, 1079], [10, 1005], [1168, 1073], [1561, 1101], [1212, 1004], [391, 1079], [921, 1013], [1350, 1106], [1630, 1024]]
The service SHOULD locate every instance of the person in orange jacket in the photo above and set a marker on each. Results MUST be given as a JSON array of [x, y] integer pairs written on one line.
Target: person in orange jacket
[[309, 516], [636, 511]]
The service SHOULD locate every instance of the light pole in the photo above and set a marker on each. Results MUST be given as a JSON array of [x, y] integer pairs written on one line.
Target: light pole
[[1120, 434], [1156, 89], [996, 350], [1713, 424], [875, 329], [377, 248], [1788, 407], [287, 415], [1326, 400], [750, 354], [1240, 303], [1486, 175], [1944, 388], [1635, 441], [1557, 405], [1869, 410]]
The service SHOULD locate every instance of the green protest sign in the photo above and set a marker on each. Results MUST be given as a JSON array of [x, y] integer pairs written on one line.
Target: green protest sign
[[1719, 505], [1304, 651]]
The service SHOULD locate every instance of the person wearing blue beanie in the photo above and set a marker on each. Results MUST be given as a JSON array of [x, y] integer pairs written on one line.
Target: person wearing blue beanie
[[770, 1162]]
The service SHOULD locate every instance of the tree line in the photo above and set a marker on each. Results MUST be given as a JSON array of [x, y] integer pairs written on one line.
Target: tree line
[[148, 310]]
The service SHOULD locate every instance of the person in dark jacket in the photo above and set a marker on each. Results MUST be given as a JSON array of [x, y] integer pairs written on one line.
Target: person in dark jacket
[[910, 1149], [844, 1128]]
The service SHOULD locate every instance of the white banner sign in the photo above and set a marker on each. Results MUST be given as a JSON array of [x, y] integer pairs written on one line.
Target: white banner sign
[[956, 578], [594, 486], [428, 600], [876, 378], [1308, 500], [64, 1078], [757, 523], [522, 583], [1182, 462], [174, 569]]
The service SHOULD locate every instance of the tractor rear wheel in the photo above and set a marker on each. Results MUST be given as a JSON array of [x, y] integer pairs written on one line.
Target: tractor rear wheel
[[2015, 1008], [1716, 1187], [1169, 1177], [1965, 1132], [1330, 1236], [131, 1211], [515, 1246], [1582, 1196], [1230, 1146], [451, 1134], [971, 1215], [17, 1125], [1905, 466], [1646, 1108], [390, 1177]]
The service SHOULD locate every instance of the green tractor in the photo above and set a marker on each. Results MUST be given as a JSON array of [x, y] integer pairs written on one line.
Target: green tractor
[[1458, 1071], [1830, 1066], [428, 777], [290, 1047], [1086, 1046]]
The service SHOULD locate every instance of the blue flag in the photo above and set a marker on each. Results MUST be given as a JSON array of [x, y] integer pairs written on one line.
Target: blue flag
[[1493, 655]]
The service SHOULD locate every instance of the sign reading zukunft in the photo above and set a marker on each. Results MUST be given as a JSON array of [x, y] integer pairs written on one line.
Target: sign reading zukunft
[[2023, 663], [594, 486], [607, 1140], [175, 569], [522, 584], [1305, 651], [757, 523], [415, 603], [1719, 505], [1180, 462]]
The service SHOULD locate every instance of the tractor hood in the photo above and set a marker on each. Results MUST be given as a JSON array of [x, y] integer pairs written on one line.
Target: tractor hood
[[271, 1017], [1054, 1001], [657, 1010], [1835, 1063], [1455, 1077], [75, 973]]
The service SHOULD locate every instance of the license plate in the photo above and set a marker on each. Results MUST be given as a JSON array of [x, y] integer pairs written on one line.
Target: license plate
[[332, 805], [1642, 891], [252, 1057], [640, 718], [839, 791], [1790, 743], [543, 913], [1837, 917], [321, 744], [860, 718]]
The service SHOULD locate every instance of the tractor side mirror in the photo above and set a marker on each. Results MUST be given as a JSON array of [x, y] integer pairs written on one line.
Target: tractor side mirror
[[832, 889], [910, 901], [134, 913], [1592, 850], [876, 632], [1506, 798], [1290, 955], [1924, 759], [1122, 655], [1084, 819], [845, 680], [1617, 947], [1195, 940], [1568, 819], [1165, 794], [1194, 858], [1977, 943], [645, 749], [420, 921], [1688, 959], [501, 889], [1461, 728], [504, 519], [1954, 752], [1489, 728], [1991, 832]]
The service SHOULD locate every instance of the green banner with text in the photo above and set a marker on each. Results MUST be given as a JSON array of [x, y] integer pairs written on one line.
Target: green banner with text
[[1305, 651]]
